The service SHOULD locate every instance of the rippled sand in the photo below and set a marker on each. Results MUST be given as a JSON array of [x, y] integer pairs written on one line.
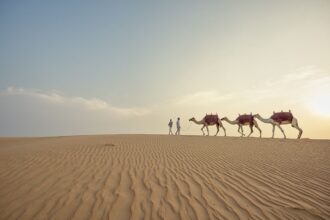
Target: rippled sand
[[164, 177]]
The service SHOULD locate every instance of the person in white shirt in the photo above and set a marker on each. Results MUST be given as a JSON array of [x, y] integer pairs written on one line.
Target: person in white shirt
[[170, 125], [178, 127]]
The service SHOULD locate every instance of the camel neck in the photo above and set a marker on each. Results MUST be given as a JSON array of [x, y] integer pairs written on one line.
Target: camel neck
[[264, 119], [230, 122], [197, 122]]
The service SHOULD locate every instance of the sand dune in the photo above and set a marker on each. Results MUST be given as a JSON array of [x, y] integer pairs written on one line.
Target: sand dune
[[164, 177]]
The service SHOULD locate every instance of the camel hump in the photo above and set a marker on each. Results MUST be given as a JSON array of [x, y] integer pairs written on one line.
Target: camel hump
[[246, 118], [211, 119], [282, 116]]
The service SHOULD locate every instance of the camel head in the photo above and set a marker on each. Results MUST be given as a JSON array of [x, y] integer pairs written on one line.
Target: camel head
[[192, 119], [223, 118], [256, 115]]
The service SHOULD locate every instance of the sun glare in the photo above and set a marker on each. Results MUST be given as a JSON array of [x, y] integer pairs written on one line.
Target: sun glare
[[320, 104]]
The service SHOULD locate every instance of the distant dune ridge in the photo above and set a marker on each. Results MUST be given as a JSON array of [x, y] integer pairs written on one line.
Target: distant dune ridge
[[164, 177]]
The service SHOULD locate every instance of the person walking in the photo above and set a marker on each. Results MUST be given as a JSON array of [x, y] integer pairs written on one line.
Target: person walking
[[178, 127], [170, 125]]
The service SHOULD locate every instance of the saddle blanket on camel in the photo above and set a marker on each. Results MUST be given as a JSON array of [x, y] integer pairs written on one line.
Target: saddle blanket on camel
[[245, 119], [211, 119], [282, 116]]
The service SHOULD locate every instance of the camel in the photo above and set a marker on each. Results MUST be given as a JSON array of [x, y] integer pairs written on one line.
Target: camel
[[207, 121], [281, 118], [242, 120]]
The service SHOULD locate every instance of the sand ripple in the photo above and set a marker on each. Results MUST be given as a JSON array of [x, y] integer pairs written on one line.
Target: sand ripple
[[163, 177]]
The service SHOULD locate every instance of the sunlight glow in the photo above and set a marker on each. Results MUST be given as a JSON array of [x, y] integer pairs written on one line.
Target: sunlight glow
[[320, 104]]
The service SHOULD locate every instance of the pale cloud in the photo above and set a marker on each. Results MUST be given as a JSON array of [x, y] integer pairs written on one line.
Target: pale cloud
[[203, 97], [301, 74], [301, 86], [93, 104], [51, 96], [292, 86]]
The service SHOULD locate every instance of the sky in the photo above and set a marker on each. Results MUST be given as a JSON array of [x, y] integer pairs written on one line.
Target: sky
[[109, 67]]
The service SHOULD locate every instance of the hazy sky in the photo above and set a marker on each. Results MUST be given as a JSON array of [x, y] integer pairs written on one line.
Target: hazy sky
[[86, 67]]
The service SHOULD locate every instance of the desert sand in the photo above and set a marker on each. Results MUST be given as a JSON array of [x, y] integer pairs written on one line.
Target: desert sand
[[164, 177]]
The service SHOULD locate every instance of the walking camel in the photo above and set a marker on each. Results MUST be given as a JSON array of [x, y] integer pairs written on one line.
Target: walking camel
[[281, 118], [242, 120], [209, 120]]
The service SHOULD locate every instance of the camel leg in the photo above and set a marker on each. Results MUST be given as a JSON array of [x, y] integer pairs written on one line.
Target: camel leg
[[203, 130], [224, 130], [221, 125], [279, 126], [207, 128], [294, 124], [273, 131], [257, 127], [251, 130], [217, 130], [240, 130]]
